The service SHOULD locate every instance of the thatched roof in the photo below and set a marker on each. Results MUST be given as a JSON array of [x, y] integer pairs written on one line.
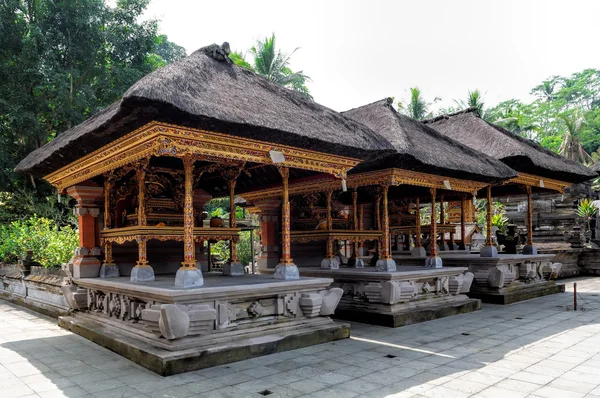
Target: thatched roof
[[517, 152], [420, 148], [596, 167], [205, 90]]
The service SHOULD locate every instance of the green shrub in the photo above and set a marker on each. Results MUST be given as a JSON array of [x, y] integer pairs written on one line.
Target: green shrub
[[51, 245]]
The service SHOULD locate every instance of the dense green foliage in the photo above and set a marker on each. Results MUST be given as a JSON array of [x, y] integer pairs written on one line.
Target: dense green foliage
[[269, 62], [52, 245], [61, 62]]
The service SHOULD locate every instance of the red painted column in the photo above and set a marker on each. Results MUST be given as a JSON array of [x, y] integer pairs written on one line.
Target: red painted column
[[86, 263], [270, 213]]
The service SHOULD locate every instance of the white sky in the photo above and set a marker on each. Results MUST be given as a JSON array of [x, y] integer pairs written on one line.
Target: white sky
[[358, 52]]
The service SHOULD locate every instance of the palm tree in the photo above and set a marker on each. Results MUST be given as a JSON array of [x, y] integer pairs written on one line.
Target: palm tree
[[474, 100], [273, 64], [417, 107], [571, 146]]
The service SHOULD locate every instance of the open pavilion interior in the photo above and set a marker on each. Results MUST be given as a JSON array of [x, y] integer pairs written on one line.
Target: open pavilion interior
[[327, 186]]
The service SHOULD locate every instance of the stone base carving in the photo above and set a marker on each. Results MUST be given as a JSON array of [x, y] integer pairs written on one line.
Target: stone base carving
[[310, 304], [173, 321], [468, 278], [393, 292], [85, 266], [418, 252], [489, 251], [76, 297], [233, 269], [433, 262], [189, 278], [331, 299], [529, 249], [372, 292], [109, 271], [142, 274], [330, 263], [385, 265], [287, 272]]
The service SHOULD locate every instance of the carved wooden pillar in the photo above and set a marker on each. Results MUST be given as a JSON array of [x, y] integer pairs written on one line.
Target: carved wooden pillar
[[442, 221], [463, 229], [378, 219], [286, 269], [189, 248], [418, 224], [188, 274], [433, 238], [355, 216], [529, 248], [270, 214], [329, 249], [142, 272], [489, 240], [108, 260], [385, 255], [232, 248], [361, 226]]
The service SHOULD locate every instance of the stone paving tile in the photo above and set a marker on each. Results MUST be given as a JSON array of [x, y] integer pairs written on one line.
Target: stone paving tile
[[549, 352]]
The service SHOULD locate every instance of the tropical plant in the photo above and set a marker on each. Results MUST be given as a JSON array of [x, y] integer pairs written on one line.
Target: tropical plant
[[474, 100], [586, 209], [500, 221], [273, 64], [571, 146], [498, 214], [51, 244], [416, 107]]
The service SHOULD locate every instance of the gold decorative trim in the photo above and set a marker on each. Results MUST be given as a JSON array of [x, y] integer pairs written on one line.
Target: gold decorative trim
[[329, 235], [540, 182], [161, 139], [126, 234], [392, 177]]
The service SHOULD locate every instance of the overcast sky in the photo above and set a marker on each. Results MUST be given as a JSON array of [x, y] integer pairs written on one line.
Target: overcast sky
[[358, 52]]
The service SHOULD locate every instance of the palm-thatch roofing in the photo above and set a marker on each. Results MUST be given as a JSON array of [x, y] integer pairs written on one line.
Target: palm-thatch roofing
[[206, 90], [421, 148], [519, 153], [596, 167]]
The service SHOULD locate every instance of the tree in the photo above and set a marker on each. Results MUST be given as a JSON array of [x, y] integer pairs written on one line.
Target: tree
[[269, 62], [474, 100], [417, 107], [516, 117], [571, 146], [61, 61]]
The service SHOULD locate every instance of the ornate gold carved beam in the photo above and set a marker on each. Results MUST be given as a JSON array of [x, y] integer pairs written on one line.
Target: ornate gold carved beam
[[391, 177], [540, 182], [161, 139]]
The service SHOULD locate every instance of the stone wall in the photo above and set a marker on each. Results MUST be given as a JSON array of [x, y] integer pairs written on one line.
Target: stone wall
[[39, 290]]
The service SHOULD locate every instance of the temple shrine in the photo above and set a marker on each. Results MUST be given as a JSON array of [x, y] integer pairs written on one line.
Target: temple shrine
[[348, 207]]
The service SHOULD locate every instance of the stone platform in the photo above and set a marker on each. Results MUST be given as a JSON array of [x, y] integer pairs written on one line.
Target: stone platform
[[508, 278], [410, 295], [170, 330]]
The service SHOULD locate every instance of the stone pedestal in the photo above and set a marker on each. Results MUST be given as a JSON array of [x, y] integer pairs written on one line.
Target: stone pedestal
[[385, 265], [233, 269], [489, 251], [287, 272], [142, 274], [418, 252], [109, 271], [529, 249], [433, 262], [330, 263], [188, 278], [356, 262]]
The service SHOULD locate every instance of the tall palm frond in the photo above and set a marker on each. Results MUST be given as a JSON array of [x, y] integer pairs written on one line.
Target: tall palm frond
[[571, 146]]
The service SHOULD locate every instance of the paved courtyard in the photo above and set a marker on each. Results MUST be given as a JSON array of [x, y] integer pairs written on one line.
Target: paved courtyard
[[536, 348]]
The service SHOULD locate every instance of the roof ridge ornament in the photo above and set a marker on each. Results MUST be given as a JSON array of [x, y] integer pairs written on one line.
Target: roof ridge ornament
[[218, 52]]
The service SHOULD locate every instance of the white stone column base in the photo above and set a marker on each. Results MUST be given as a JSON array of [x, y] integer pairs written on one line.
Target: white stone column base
[[287, 272], [142, 274], [233, 269], [385, 265], [109, 271], [433, 262], [189, 278], [489, 251]]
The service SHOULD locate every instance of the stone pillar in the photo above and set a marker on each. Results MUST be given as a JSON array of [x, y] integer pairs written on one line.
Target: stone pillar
[[286, 269], [85, 262], [108, 269], [233, 267], [188, 275], [433, 261], [142, 272], [385, 262], [418, 250], [529, 248], [329, 262], [489, 250], [270, 210]]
